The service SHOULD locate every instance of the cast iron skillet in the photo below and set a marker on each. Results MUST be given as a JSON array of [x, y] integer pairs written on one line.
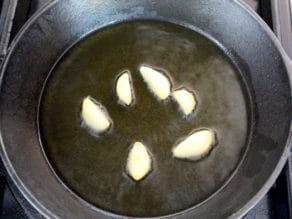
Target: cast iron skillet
[[48, 34]]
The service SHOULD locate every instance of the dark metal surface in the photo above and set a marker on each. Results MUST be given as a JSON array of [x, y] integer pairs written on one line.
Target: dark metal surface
[[263, 9], [10, 208], [12, 203], [271, 95], [6, 17], [277, 203], [282, 18]]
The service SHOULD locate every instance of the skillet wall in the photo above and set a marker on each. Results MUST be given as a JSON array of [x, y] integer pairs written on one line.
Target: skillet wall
[[45, 39]]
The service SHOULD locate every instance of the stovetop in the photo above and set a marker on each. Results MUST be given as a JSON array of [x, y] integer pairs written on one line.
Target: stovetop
[[277, 203]]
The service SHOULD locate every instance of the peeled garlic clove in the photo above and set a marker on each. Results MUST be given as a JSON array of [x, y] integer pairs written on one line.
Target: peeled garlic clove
[[158, 83], [195, 146], [139, 162], [124, 89], [95, 116], [186, 100]]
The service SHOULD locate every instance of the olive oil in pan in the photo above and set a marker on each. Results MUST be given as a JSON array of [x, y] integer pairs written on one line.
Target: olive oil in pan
[[94, 167]]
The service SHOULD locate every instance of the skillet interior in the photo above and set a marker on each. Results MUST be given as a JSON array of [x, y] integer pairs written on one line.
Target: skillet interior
[[94, 167]]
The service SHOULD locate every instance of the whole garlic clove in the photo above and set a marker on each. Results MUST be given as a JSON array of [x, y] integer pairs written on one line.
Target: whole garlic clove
[[139, 162], [186, 100], [158, 83], [195, 146], [95, 116], [124, 89]]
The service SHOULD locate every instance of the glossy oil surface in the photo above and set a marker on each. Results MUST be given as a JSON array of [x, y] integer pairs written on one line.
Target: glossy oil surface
[[94, 167]]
